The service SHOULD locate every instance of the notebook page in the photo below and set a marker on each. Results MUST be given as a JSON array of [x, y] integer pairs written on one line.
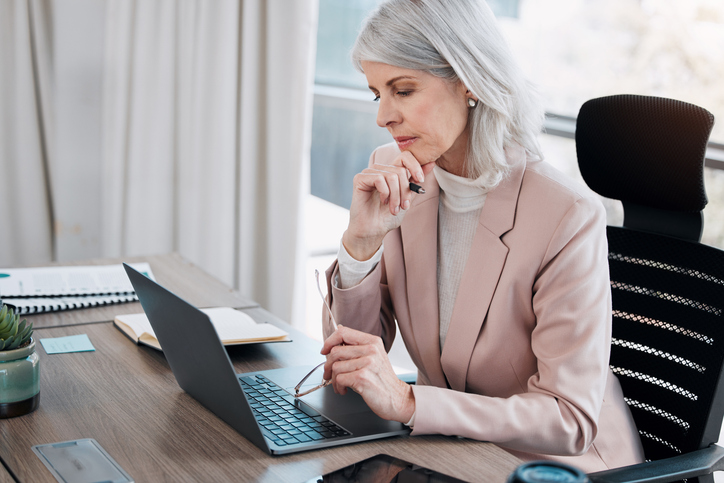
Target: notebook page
[[233, 325]]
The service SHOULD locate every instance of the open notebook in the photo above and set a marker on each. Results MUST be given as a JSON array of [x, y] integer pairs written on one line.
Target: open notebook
[[232, 326]]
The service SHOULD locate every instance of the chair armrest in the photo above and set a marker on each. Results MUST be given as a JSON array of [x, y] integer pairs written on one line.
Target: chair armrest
[[696, 463]]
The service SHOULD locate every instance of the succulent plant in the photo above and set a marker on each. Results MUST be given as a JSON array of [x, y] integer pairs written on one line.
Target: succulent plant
[[12, 333]]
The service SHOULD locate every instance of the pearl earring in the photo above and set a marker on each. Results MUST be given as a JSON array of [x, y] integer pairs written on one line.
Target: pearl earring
[[472, 102]]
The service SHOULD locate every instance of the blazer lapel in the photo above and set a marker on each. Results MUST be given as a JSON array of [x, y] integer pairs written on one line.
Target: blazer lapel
[[482, 271], [419, 242]]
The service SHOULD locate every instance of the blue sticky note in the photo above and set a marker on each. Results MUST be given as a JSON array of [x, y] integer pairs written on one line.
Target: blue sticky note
[[71, 343]]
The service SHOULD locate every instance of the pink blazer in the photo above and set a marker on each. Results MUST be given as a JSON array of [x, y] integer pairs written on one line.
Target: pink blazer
[[525, 362]]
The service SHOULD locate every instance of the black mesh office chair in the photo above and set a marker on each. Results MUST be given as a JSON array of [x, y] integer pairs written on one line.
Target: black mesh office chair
[[667, 288]]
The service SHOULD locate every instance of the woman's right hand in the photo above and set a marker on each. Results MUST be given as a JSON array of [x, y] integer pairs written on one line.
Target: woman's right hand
[[380, 199]]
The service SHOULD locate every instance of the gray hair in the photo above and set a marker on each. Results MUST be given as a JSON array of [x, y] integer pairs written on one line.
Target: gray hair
[[460, 40]]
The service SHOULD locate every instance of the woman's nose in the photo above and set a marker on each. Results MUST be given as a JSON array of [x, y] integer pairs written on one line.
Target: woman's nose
[[387, 114]]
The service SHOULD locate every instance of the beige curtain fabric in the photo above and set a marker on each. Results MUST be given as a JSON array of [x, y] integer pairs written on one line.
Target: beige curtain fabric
[[275, 101], [25, 126], [205, 112], [208, 112]]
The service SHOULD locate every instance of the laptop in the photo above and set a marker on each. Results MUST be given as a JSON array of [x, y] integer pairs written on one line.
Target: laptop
[[259, 405]]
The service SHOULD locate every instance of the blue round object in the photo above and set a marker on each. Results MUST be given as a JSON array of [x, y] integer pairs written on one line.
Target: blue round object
[[547, 472]]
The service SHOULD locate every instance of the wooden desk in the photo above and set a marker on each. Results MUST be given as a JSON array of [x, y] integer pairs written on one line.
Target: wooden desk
[[5, 476], [125, 397], [173, 272]]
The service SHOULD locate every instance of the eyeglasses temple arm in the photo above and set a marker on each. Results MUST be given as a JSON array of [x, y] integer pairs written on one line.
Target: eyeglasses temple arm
[[334, 322], [319, 289]]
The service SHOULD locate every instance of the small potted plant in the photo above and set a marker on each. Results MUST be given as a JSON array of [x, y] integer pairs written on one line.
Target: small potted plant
[[19, 376]]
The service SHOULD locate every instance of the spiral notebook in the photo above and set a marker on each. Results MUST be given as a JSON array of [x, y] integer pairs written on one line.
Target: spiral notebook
[[51, 289]]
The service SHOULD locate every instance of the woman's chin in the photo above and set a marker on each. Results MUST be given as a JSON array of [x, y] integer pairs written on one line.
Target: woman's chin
[[422, 157]]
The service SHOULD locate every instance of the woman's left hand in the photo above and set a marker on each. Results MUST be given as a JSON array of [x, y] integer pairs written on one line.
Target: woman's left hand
[[358, 361]]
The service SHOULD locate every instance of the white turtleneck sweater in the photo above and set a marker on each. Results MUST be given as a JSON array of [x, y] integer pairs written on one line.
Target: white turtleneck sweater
[[460, 205], [461, 201]]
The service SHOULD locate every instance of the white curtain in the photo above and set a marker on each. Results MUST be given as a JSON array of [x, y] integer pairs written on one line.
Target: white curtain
[[205, 113], [26, 220]]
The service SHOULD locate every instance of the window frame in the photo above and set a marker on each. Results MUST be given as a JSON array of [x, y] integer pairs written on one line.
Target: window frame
[[554, 125]]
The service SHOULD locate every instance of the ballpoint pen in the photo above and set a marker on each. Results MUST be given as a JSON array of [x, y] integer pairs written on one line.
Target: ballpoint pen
[[417, 188]]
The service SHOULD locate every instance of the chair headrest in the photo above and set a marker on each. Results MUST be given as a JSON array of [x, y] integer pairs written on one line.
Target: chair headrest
[[644, 150]]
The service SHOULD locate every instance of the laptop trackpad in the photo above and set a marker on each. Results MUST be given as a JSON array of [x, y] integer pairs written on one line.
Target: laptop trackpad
[[327, 402]]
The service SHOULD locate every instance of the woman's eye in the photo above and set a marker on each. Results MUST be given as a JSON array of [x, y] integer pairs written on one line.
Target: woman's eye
[[376, 99], [404, 93]]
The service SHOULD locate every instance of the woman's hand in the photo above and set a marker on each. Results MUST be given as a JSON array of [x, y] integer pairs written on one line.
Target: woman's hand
[[380, 198], [358, 361]]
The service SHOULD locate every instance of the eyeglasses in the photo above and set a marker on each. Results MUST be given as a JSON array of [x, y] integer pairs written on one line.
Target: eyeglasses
[[325, 382]]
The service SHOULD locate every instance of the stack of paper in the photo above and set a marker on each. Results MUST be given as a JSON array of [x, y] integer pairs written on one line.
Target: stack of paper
[[49, 289]]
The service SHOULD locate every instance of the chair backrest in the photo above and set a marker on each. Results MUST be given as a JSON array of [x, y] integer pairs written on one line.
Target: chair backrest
[[649, 153], [668, 338], [667, 288]]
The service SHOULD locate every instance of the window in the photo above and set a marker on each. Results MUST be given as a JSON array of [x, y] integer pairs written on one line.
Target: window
[[574, 50], [577, 50]]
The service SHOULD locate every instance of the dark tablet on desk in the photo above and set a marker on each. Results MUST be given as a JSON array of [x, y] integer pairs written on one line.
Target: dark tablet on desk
[[384, 469]]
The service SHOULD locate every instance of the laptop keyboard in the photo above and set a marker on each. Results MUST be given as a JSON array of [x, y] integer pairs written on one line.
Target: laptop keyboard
[[280, 419]]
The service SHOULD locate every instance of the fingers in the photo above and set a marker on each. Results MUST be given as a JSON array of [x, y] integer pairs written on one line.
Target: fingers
[[391, 181], [348, 373], [346, 336], [347, 344], [388, 182], [358, 361], [355, 367], [427, 169], [413, 166]]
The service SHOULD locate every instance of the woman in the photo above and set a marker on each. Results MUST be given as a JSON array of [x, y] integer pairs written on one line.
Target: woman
[[497, 275]]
